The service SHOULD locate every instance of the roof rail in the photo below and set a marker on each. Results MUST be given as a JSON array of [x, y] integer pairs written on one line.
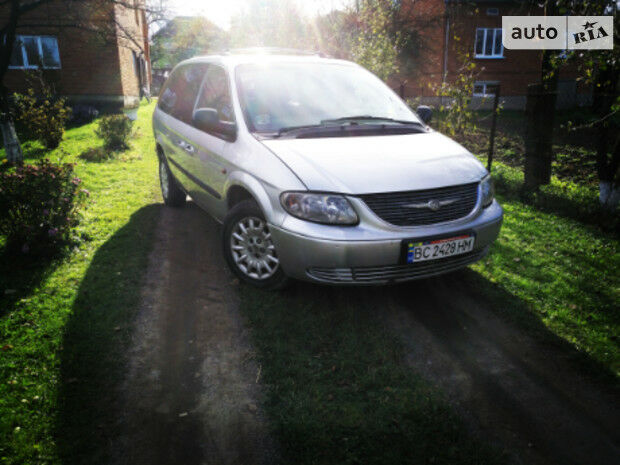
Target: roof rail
[[270, 51]]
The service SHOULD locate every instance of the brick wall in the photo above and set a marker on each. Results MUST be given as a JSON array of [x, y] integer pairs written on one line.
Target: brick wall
[[514, 71], [132, 44], [93, 70]]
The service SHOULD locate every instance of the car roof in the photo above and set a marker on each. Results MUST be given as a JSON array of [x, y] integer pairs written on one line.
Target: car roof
[[231, 60]]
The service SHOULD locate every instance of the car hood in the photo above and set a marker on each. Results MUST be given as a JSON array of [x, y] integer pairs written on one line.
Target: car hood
[[363, 165]]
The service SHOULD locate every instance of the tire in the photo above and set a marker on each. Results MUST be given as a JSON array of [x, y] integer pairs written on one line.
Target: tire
[[172, 194], [257, 245]]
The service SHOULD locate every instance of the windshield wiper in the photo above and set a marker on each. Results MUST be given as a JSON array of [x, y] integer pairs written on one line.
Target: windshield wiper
[[345, 119], [294, 128], [335, 124]]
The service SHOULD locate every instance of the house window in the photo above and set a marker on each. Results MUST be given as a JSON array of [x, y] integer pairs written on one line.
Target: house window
[[484, 88], [492, 11], [35, 51], [489, 43]]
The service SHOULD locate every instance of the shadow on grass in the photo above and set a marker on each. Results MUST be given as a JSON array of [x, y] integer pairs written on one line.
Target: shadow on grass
[[514, 310], [339, 390], [20, 274], [97, 335]]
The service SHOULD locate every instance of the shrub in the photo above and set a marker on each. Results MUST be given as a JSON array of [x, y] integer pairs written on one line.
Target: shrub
[[458, 113], [44, 117], [96, 154], [114, 130], [39, 205]]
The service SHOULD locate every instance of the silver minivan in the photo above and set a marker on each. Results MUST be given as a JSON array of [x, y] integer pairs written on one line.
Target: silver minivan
[[319, 171]]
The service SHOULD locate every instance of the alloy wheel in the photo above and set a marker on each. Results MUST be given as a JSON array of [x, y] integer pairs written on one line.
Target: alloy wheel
[[252, 248]]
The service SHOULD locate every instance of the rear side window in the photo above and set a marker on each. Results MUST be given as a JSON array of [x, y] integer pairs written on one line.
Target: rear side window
[[179, 94]]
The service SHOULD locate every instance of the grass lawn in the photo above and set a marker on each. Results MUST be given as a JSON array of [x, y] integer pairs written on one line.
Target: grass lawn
[[566, 271], [338, 388], [63, 321], [558, 251]]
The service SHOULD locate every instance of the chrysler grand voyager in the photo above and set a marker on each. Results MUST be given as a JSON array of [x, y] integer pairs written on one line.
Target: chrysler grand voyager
[[318, 171]]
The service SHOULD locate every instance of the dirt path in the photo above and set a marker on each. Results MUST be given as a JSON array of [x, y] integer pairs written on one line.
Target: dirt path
[[522, 395], [191, 394]]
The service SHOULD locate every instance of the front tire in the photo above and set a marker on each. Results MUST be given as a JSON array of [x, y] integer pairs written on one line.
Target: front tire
[[172, 194], [248, 248]]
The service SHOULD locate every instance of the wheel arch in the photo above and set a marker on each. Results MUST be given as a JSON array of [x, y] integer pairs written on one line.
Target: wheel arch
[[242, 186]]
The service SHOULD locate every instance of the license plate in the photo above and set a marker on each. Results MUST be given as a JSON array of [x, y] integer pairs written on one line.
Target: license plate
[[433, 249]]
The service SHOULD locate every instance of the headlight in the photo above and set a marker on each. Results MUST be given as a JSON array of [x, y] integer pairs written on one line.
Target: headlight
[[320, 208], [486, 190]]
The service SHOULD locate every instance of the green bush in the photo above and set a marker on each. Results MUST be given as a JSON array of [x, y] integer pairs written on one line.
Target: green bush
[[39, 205], [45, 117], [114, 130]]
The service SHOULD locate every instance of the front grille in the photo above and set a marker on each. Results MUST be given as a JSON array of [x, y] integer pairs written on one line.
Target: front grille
[[395, 207], [395, 273]]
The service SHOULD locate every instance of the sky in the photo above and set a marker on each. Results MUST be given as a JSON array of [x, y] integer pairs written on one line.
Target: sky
[[220, 11]]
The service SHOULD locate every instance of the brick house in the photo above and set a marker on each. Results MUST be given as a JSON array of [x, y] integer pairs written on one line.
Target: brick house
[[474, 26], [106, 70]]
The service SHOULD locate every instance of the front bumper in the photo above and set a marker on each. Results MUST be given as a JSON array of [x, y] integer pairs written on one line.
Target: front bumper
[[348, 260]]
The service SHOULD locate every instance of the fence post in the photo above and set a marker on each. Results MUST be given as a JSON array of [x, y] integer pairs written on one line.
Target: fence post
[[493, 126]]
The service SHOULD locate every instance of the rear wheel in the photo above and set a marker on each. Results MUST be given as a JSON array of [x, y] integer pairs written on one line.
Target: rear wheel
[[170, 191], [249, 249]]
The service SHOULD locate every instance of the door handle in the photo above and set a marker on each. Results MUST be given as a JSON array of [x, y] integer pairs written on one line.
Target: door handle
[[189, 148]]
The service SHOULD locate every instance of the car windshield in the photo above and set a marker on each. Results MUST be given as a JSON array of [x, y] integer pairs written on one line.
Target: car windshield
[[287, 95]]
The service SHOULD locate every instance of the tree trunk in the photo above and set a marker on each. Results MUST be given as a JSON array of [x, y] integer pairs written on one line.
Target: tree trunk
[[609, 175], [540, 114], [608, 146], [12, 146], [539, 110]]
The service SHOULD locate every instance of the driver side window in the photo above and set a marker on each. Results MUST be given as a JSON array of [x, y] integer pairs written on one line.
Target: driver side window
[[215, 93]]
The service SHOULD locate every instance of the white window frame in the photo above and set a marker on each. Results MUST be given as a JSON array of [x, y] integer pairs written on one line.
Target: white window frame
[[485, 85], [489, 33], [27, 65]]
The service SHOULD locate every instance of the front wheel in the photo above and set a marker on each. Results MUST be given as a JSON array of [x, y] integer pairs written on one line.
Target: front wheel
[[249, 249]]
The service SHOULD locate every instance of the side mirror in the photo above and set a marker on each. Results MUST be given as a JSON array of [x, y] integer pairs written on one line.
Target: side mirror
[[208, 120], [425, 113], [205, 119]]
